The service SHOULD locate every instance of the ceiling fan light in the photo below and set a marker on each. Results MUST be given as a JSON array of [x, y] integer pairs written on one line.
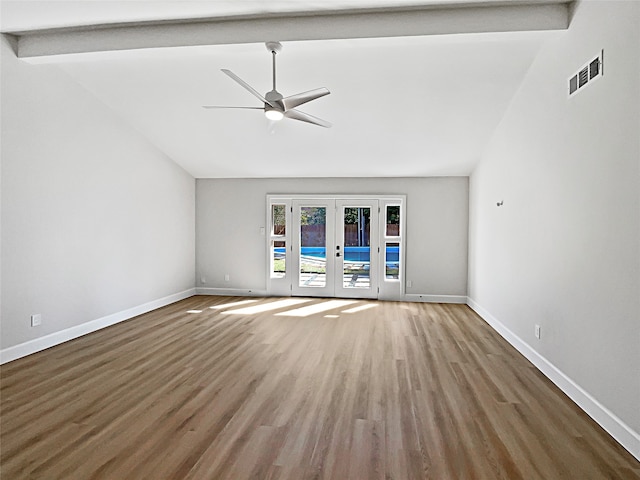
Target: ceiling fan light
[[273, 114]]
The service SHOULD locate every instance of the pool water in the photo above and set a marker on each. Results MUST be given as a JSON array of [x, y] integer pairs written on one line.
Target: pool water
[[351, 254]]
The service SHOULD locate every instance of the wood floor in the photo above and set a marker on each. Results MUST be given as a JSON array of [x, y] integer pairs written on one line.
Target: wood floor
[[394, 391]]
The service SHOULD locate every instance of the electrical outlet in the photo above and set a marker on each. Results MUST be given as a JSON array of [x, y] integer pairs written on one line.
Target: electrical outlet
[[537, 331], [36, 320], [226, 277], [409, 283]]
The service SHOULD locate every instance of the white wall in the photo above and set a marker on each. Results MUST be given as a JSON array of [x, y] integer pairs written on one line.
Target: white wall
[[564, 249], [230, 212], [95, 221]]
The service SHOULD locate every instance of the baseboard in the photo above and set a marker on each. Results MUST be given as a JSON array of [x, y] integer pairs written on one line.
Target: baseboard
[[626, 436], [413, 297], [56, 338], [231, 292]]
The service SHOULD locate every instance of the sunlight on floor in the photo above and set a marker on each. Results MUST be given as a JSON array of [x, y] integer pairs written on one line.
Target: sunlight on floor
[[232, 304], [317, 308], [267, 306], [360, 308], [304, 311]]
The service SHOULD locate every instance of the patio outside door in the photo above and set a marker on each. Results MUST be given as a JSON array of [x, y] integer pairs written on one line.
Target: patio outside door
[[335, 247]]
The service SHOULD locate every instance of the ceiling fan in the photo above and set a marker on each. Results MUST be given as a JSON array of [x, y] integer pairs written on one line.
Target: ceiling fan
[[276, 107]]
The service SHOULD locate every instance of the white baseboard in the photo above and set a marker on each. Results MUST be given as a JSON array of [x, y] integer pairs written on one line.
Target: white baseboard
[[626, 436], [56, 338], [231, 292], [414, 297]]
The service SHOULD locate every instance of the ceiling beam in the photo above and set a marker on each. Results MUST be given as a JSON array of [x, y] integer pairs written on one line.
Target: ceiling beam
[[342, 24]]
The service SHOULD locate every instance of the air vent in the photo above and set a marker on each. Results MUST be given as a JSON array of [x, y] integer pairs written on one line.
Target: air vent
[[583, 77], [587, 74], [594, 68]]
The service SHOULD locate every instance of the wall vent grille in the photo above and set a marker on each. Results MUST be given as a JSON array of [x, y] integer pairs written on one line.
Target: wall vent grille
[[593, 70]]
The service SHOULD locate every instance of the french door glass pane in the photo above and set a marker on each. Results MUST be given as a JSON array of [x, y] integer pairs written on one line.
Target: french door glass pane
[[392, 261], [313, 247], [357, 247]]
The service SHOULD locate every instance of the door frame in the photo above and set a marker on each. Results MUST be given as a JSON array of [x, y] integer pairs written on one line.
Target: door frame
[[281, 284]]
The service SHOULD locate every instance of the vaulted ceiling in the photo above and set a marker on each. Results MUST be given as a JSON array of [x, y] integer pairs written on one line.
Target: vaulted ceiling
[[417, 88]]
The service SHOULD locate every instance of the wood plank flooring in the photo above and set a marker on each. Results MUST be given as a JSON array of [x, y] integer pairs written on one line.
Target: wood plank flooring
[[394, 391]]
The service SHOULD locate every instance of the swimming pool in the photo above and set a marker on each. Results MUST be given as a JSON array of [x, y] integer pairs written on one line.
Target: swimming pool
[[351, 254]]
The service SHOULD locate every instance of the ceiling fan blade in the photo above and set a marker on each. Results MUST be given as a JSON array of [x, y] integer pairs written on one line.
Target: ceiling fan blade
[[246, 85], [222, 106], [293, 101], [305, 117]]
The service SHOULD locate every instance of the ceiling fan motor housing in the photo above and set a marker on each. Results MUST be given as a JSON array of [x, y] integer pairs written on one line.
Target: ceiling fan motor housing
[[275, 98]]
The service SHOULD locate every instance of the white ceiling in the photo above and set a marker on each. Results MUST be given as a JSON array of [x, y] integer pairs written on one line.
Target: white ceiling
[[400, 106]]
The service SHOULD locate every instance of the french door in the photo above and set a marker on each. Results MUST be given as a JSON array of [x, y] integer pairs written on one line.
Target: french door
[[313, 224], [330, 247]]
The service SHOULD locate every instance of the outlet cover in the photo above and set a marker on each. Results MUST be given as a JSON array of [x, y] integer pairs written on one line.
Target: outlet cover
[[537, 331], [36, 320]]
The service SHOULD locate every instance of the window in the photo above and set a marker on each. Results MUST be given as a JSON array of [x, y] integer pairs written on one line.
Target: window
[[278, 220], [392, 242], [392, 221], [278, 241], [392, 261]]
